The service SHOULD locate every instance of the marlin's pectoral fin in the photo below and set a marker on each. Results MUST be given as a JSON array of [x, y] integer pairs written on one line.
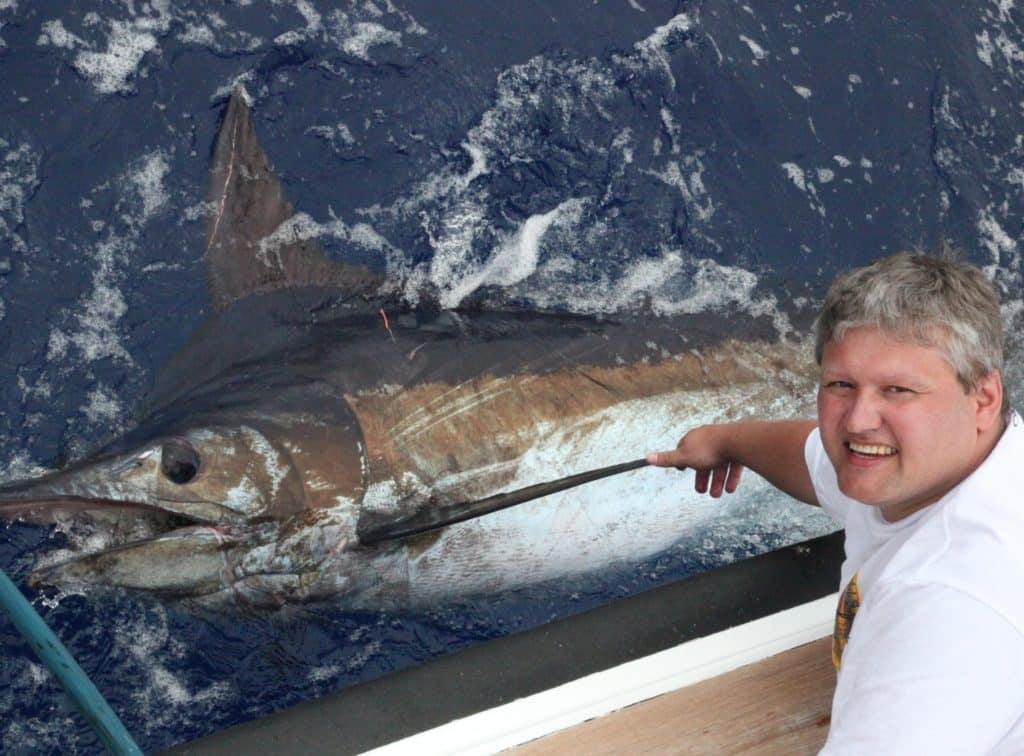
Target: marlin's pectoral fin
[[250, 247]]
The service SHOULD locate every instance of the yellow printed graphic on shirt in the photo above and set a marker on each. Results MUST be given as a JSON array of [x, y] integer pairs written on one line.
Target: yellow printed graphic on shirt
[[849, 602]]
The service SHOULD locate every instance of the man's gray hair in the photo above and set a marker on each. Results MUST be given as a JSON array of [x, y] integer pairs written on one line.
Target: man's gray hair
[[949, 305]]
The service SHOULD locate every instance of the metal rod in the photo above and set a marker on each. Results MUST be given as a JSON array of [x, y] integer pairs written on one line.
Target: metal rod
[[60, 662], [432, 518]]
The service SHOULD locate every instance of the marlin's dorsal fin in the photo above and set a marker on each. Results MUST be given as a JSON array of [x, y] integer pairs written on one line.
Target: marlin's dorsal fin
[[247, 250]]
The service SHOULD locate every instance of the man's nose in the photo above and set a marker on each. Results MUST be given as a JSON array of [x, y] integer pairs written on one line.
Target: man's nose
[[863, 414]]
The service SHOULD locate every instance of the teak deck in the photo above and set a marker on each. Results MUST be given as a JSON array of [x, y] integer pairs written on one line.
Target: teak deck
[[775, 706]]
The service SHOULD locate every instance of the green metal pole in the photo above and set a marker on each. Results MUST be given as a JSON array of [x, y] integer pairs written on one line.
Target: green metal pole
[[52, 652]]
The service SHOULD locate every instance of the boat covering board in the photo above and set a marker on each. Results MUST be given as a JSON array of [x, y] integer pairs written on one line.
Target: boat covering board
[[778, 705]]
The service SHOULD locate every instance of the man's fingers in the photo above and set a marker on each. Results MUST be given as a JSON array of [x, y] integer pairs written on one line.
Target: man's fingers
[[654, 458], [724, 478], [718, 476], [666, 459], [733, 481]]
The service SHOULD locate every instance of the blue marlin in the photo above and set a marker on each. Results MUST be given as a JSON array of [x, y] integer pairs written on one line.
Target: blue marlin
[[312, 402]]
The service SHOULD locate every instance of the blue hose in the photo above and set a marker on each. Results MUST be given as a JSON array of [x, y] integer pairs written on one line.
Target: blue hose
[[52, 652]]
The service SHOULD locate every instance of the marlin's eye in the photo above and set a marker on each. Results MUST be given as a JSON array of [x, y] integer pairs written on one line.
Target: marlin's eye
[[179, 462]]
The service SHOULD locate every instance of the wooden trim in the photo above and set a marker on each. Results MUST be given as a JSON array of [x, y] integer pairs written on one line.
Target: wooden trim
[[779, 705]]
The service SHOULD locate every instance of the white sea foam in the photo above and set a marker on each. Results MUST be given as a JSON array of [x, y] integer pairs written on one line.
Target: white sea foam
[[145, 645], [756, 49], [532, 87], [314, 25], [1009, 48], [652, 50], [540, 262], [225, 91], [997, 44], [805, 183], [110, 52], [624, 142], [511, 262], [20, 467], [362, 28], [54, 733], [450, 186], [109, 71], [148, 179], [198, 34], [92, 330], [40, 388], [723, 288], [333, 134], [102, 407], [994, 238], [52, 33], [654, 44], [365, 35], [671, 127], [796, 175], [19, 176], [688, 179], [669, 284], [97, 336], [301, 227], [838, 16]]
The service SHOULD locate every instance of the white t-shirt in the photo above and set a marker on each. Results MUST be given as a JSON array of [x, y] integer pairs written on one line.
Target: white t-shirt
[[935, 658]]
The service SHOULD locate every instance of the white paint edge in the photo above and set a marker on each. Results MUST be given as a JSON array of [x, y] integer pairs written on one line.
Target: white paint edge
[[543, 713]]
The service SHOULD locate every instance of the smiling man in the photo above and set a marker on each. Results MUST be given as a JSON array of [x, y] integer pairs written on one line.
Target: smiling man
[[916, 452]]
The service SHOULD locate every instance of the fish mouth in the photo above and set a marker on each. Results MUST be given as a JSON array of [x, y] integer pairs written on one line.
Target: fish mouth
[[159, 546], [47, 509]]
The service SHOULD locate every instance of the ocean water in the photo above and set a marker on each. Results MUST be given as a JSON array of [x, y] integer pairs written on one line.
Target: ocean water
[[628, 157]]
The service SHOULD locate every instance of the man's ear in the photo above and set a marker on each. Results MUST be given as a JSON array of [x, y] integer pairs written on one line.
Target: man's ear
[[988, 395]]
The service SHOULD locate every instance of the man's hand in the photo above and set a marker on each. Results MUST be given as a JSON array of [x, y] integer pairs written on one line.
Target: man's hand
[[719, 453], [703, 450]]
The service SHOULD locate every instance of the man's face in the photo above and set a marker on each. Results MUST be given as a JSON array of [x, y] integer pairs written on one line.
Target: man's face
[[897, 424]]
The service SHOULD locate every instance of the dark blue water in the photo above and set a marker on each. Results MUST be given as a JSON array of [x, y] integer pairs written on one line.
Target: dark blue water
[[629, 156]]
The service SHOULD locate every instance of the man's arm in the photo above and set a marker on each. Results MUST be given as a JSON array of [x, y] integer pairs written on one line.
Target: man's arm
[[718, 454]]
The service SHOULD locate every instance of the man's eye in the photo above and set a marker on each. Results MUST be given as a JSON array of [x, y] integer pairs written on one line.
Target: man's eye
[[899, 390], [839, 385]]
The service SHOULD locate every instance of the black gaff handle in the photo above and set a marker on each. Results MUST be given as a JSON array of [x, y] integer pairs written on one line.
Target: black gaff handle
[[428, 518]]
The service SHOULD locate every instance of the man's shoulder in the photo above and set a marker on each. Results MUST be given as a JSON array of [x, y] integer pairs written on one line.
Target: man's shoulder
[[994, 493], [1011, 440], [972, 541]]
